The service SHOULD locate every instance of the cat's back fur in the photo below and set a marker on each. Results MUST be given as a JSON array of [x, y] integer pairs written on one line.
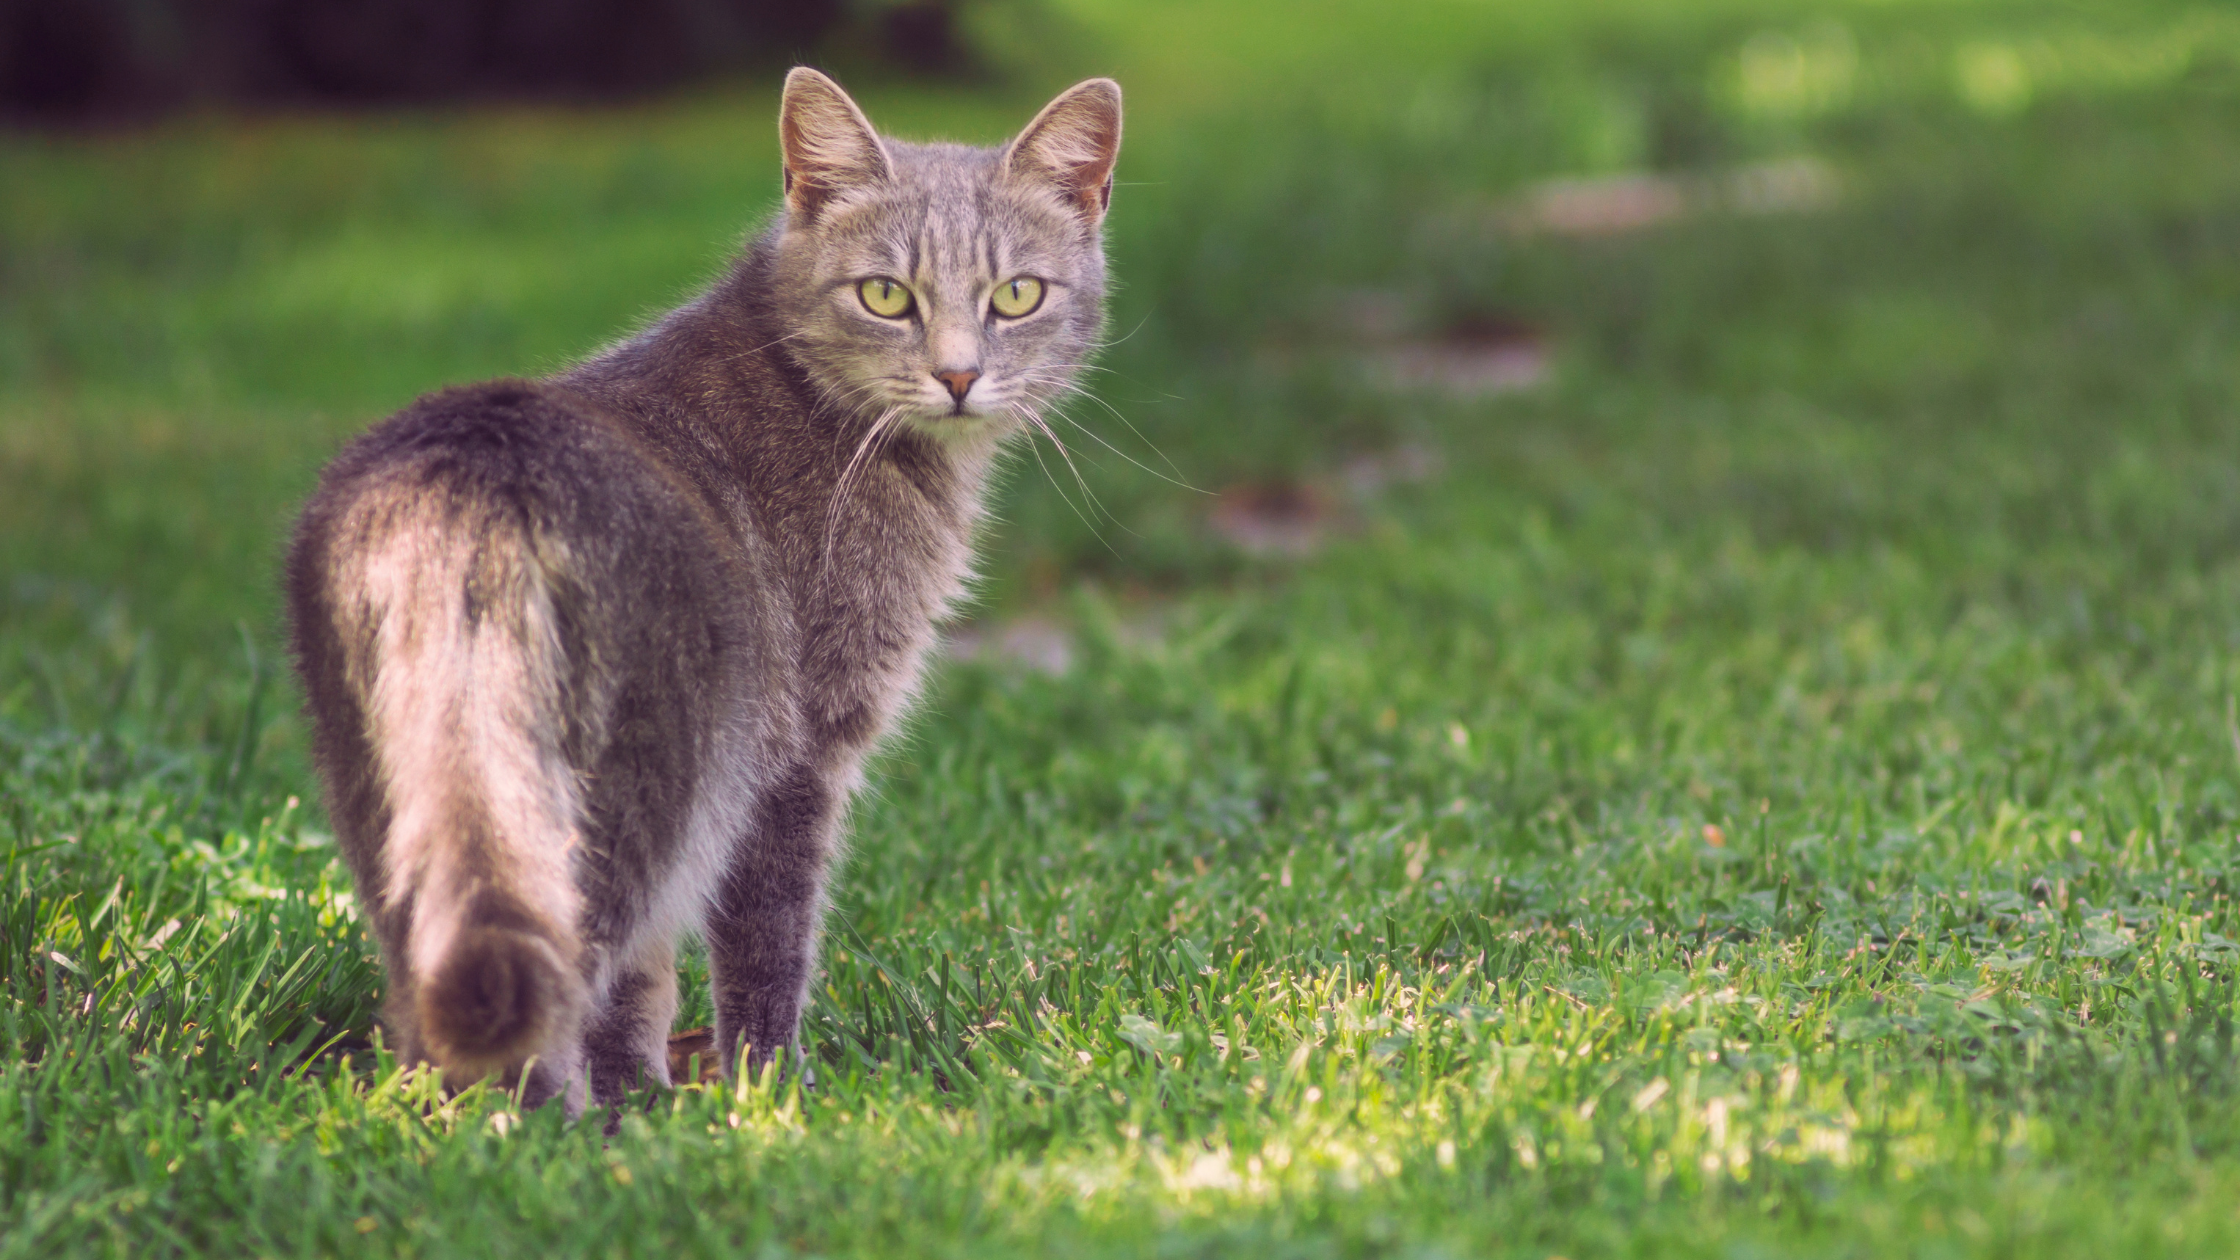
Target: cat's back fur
[[595, 660]]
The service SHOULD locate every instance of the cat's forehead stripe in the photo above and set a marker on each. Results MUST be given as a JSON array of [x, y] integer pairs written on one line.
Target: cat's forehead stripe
[[947, 221], [945, 255]]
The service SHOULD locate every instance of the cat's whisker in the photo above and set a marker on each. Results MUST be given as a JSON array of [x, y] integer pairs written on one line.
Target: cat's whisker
[[748, 356], [840, 485], [1075, 389], [774, 344], [1035, 423], [1099, 439], [1080, 392], [853, 472], [848, 399], [1107, 345], [1098, 367], [1034, 418], [863, 449]]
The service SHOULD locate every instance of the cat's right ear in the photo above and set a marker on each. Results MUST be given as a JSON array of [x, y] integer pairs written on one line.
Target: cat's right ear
[[828, 144]]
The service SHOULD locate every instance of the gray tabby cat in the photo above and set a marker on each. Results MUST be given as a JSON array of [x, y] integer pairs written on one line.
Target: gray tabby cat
[[594, 661]]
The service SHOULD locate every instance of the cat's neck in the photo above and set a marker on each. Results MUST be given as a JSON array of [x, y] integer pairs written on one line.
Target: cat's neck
[[870, 528], [715, 388]]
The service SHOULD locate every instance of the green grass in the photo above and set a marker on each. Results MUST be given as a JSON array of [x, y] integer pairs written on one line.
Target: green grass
[[1362, 904]]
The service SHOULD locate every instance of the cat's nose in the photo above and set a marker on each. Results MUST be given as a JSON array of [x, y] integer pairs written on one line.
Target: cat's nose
[[958, 381]]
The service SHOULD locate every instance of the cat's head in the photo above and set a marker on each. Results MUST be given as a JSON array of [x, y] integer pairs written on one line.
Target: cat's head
[[950, 286]]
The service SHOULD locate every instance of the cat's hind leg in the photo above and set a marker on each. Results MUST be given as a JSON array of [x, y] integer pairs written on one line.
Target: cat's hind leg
[[626, 1043], [557, 1075]]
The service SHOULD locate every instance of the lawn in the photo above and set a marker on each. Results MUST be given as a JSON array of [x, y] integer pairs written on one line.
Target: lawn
[[1766, 781]]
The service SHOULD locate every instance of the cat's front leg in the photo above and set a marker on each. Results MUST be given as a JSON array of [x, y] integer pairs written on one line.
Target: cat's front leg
[[762, 926]]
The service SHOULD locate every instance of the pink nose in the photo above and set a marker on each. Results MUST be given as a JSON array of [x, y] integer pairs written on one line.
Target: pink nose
[[958, 382]]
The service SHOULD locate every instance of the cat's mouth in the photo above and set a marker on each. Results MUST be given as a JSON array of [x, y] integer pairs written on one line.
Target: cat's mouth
[[945, 412], [962, 415], [980, 407], [964, 419], [969, 407]]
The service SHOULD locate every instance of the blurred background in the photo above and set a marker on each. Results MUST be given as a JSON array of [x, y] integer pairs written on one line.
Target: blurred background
[[1950, 281]]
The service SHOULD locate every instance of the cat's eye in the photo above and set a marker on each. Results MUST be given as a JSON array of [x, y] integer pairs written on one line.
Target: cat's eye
[[884, 296], [1017, 296]]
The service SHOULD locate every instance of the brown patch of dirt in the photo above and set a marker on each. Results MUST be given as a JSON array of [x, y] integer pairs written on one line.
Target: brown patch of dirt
[[1475, 355], [1601, 207], [1295, 517], [1035, 643], [690, 1047], [1614, 204], [1275, 518]]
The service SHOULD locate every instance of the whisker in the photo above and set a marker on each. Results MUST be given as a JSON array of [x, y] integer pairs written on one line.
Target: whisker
[[847, 399], [1107, 345], [1099, 439], [1035, 422], [1077, 390], [766, 345], [1065, 453], [840, 487]]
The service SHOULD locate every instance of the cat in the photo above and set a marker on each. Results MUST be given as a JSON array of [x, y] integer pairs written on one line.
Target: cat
[[595, 660]]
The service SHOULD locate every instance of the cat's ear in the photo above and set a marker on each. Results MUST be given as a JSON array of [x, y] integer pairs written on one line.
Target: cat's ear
[[828, 144], [1072, 145]]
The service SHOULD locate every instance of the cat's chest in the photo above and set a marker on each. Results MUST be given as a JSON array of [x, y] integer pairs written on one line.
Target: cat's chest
[[872, 625]]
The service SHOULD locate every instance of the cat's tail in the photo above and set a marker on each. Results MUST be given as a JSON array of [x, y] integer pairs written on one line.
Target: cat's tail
[[465, 694]]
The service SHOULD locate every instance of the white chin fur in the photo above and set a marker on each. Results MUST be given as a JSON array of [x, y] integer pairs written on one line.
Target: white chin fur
[[947, 426]]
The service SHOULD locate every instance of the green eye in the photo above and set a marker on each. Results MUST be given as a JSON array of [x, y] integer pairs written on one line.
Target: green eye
[[885, 297], [1017, 296]]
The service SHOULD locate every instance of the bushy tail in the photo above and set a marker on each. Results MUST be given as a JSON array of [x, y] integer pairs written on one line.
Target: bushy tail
[[468, 714], [498, 994]]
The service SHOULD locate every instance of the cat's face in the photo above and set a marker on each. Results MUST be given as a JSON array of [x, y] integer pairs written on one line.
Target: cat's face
[[951, 288]]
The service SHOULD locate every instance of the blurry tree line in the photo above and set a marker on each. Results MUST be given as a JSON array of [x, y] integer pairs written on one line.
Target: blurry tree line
[[94, 60]]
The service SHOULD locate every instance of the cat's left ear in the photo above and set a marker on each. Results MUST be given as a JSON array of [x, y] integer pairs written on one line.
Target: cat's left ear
[[828, 144], [1072, 145]]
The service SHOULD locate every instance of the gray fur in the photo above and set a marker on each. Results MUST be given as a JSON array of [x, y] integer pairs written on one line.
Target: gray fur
[[596, 660]]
